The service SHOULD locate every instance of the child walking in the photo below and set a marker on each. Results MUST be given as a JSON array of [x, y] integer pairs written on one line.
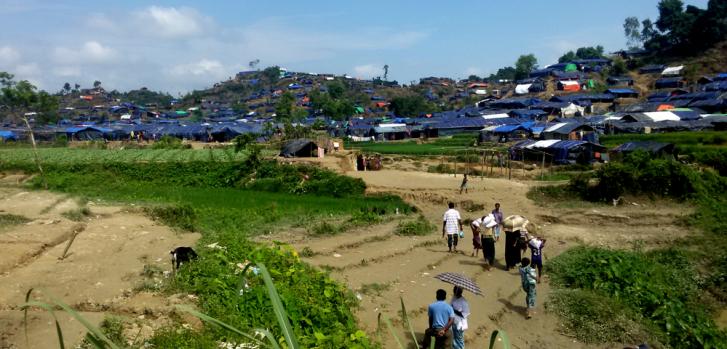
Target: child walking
[[463, 186], [476, 243], [528, 279], [536, 245]]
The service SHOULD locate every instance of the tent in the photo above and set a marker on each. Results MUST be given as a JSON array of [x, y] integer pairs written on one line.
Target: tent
[[623, 92], [7, 135], [570, 67], [299, 148], [672, 82], [620, 81], [672, 70], [522, 89], [655, 148], [652, 69], [566, 131], [572, 86]]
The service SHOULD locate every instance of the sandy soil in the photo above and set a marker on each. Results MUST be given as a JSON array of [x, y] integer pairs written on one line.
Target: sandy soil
[[102, 268], [380, 266]]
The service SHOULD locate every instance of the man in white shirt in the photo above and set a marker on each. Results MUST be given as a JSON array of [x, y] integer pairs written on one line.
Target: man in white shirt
[[451, 226]]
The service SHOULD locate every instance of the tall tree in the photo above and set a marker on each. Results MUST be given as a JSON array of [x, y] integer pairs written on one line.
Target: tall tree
[[632, 31], [253, 63], [524, 65], [96, 84], [386, 72], [67, 88], [284, 107]]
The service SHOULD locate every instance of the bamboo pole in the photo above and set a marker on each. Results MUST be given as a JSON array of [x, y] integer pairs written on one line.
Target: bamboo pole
[[542, 169], [482, 171], [35, 153]]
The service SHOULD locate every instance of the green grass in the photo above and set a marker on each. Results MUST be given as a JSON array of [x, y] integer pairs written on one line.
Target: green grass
[[65, 156], [691, 138], [77, 215], [419, 227]]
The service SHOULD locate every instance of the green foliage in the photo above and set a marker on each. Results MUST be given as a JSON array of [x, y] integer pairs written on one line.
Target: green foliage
[[22, 97], [411, 106], [179, 216], [168, 142], [243, 141], [661, 285], [686, 31], [284, 107], [505, 73], [272, 74], [419, 227], [593, 318], [582, 53], [524, 65]]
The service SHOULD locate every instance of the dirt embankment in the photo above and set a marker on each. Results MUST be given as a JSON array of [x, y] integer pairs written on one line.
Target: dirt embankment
[[115, 256]]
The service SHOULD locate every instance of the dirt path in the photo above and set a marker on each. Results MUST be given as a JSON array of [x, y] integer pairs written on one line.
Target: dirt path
[[101, 274], [380, 266]]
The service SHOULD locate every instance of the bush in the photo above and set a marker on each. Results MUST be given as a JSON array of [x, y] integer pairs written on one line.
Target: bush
[[419, 227], [168, 142], [178, 216], [593, 318], [662, 286]]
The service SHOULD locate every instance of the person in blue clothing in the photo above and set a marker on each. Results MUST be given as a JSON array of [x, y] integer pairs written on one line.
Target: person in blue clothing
[[441, 318]]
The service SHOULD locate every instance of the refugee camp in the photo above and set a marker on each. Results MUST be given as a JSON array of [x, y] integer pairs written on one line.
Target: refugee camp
[[537, 174]]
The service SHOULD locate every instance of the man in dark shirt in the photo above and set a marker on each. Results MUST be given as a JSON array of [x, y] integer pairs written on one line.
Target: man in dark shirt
[[441, 317]]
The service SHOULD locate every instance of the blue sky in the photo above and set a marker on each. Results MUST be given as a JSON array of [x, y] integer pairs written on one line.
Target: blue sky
[[177, 46]]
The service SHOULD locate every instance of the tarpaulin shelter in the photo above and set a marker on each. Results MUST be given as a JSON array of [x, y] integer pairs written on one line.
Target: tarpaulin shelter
[[655, 148], [652, 69], [623, 92], [672, 70], [566, 131], [672, 82], [522, 89], [572, 86], [6, 135], [86, 133], [299, 148], [620, 81]]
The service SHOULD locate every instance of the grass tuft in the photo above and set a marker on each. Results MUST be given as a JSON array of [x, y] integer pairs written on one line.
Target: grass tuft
[[419, 227]]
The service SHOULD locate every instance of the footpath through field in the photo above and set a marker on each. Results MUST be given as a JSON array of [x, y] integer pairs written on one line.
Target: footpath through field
[[381, 266]]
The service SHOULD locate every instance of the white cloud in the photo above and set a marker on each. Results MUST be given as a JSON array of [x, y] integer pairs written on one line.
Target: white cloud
[[368, 71], [205, 67], [27, 70], [172, 22], [8, 55], [67, 71], [101, 21], [89, 52]]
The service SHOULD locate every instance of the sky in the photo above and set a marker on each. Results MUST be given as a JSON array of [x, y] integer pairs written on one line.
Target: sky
[[178, 46]]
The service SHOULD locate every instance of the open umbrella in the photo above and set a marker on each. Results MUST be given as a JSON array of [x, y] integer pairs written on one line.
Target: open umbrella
[[515, 222], [461, 281]]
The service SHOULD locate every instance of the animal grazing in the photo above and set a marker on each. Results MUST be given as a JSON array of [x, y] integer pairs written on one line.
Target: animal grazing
[[182, 255]]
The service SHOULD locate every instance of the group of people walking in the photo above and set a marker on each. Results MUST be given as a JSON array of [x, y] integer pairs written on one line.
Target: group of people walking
[[486, 232]]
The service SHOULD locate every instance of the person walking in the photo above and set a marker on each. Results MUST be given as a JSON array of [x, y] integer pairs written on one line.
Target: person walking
[[512, 249], [461, 312], [498, 218], [441, 318], [463, 186], [476, 242], [451, 226], [528, 280], [488, 240], [536, 245]]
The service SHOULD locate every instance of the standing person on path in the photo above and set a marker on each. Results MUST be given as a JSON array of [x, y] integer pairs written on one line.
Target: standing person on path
[[441, 318], [528, 279], [451, 226], [476, 226], [463, 185], [488, 240], [536, 245], [512, 249], [461, 312], [498, 218]]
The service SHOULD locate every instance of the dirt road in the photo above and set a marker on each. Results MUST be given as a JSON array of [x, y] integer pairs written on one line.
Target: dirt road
[[381, 266]]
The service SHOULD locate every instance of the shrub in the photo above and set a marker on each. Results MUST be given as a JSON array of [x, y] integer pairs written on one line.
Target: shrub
[[178, 216], [593, 318], [325, 228], [419, 227], [662, 286], [168, 142]]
